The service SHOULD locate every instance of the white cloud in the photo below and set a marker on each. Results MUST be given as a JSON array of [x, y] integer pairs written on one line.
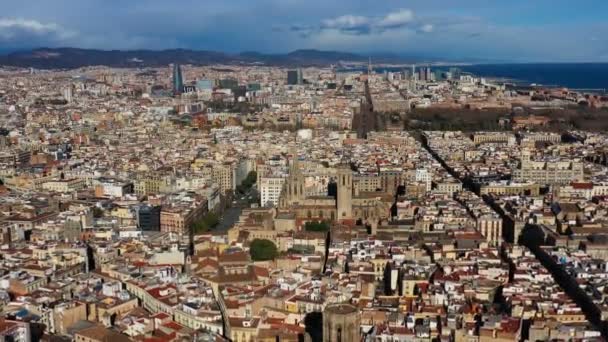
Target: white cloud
[[346, 21], [343, 41], [350, 23], [16, 30], [399, 18], [358, 24]]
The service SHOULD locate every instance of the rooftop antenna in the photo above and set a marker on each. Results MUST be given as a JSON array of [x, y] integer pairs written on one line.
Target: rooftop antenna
[[369, 66]]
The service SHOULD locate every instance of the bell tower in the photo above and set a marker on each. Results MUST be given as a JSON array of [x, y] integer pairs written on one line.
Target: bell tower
[[345, 193], [341, 323], [293, 188]]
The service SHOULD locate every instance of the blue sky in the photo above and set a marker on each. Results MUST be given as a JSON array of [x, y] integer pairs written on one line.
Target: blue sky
[[516, 30]]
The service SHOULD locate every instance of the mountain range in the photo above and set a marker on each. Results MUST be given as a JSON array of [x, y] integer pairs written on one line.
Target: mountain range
[[68, 58]]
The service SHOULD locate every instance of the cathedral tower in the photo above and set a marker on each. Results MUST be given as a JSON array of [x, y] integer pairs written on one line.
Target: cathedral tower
[[293, 188], [341, 323], [345, 193]]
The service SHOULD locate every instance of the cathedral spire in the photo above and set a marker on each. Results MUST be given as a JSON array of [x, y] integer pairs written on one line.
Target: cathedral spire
[[295, 163]]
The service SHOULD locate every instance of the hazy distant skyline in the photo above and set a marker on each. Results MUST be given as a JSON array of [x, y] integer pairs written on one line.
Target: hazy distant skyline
[[518, 30]]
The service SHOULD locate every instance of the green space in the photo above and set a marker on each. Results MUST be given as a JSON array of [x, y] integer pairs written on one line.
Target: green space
[[441, 119], [498, 119], [263, 250], [97, 212], [208, 222], [300, 249], [316, 226]]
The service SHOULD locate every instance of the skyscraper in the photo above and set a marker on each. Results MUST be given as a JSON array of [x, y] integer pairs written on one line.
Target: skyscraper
[[421, 74], [292, 77], [429, 74], [425, 74], [178, 81], [67, 93]]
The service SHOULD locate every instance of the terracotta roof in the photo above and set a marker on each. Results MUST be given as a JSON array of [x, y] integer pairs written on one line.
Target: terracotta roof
[[236, 257], [261, 271], [100, 333], [582, 186]]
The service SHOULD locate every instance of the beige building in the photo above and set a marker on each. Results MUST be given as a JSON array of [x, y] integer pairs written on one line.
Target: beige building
[[544, 172], [179, 218], [508, 188], [152, 184], [224, 176], [243, 329], [491, 228], [448, 187], [493, 137], [66, 314], [270, 190], [64, 185]]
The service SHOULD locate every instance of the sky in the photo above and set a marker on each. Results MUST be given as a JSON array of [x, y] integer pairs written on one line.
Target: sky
[[492, 30]]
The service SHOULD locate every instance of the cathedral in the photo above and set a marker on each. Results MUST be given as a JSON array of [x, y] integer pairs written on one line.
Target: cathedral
[[348, 205]]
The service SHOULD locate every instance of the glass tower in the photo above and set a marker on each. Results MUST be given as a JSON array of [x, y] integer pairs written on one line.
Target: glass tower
[[178, 81]]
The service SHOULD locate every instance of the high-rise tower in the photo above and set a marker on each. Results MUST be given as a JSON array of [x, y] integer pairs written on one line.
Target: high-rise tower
[[413, 78], [293, 77], [345, 192], [178, 81]]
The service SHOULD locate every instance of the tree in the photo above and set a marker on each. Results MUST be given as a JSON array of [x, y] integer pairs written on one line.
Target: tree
[[263, 250], [97, 212], [205, 224], [316, 226], [247, 183], [252, 177]]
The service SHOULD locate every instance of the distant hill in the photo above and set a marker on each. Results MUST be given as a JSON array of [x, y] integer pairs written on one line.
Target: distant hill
[[68, 58]]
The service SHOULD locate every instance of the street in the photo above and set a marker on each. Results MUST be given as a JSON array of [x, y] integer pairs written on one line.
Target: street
[[231, 215]]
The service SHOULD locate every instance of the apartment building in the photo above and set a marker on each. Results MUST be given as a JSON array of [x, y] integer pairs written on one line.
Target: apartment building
[[548, 172], [270, 190]]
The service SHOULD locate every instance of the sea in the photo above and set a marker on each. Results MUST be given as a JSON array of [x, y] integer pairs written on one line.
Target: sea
[[576, 76], [584, 76]]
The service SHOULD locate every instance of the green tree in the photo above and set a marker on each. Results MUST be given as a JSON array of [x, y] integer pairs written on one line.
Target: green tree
[[205, 224], [97, 212], [316, 226], [262, 250]]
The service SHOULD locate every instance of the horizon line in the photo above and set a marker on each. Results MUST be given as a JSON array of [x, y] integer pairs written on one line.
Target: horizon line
[[382, 55]]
